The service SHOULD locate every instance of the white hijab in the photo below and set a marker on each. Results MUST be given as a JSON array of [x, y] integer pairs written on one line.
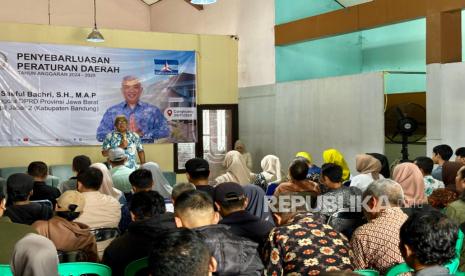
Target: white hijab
[[34, 255], [107, 182], [161, 184], [271, 167], [236, 169]]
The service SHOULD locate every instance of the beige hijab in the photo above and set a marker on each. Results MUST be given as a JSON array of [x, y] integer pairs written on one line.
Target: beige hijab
[[107, 183], [34, 255], [236, 169], [366, 164], [271, 168], [409, 176]]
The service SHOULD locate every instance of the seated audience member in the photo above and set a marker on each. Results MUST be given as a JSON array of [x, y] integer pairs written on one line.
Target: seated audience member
[[141, 180], [39, 171], [449, 174], [301, 244], [101, 210], [160, 183], [425, 164], [335, 157], [456, 210], [460, 155], [80, 164], [385, 170], [107, 189], [240, 147], [234, 255], [369, 168], [181, 253], [180, 188], [313, 170], [19, 209], [271, 172], [427, 243], [298, 180], [331, 177], [256, 206], [119, 172], [197, 172], [376, 244], [66, 234], [149, 220], [10, 233], [441, 154], [236, 169], [441, 198], [231, 202], [34, 255], [409, 176]]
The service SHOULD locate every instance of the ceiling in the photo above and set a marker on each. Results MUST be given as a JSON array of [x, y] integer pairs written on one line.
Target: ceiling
[[348, 3]]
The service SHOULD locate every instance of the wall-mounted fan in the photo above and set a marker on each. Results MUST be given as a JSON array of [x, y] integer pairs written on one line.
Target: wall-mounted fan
[[405, 123]]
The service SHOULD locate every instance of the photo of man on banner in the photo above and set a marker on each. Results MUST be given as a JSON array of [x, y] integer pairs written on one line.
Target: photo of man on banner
[[143, 118]]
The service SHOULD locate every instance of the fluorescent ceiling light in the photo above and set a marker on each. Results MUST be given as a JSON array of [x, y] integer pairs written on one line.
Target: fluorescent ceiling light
[[150, 2], [203, 2], [348, 3]]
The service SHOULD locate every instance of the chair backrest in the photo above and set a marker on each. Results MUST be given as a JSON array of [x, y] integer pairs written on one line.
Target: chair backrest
[[367, 272], [399, 269], [346, 222], [171, 177], [44, 202], [136, 266], [77, 269], [5, 270], [63, 172], [103, 234], [72, 256]]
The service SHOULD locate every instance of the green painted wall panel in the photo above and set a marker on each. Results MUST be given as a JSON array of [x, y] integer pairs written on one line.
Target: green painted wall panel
[[334, 56], [291, 10]]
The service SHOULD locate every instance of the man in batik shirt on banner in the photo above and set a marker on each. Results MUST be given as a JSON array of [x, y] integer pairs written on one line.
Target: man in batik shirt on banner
[[125, 139], [143, 118]]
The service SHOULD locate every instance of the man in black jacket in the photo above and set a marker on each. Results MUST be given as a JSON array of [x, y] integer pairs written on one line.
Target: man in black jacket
[[234, 255], [149, 220], [39, 171], [231, 202]]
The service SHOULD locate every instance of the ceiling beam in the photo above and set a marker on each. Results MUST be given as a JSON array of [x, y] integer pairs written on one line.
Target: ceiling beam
[[198, 7], [360, 17]]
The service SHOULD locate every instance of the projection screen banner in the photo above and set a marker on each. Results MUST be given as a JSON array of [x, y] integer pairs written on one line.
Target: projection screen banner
[[61, 95]]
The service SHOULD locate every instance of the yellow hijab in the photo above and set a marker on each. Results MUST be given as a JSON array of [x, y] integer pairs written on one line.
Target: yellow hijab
[[305, 155], [335, 157]]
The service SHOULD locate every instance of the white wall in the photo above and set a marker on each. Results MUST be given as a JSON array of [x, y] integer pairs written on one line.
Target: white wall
[[251, 20], [445, 100], [312, 115]]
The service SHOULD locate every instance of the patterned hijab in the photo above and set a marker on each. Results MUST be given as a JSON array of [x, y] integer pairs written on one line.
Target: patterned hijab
[[34, 255], [271, 168], [161, 184], [409, 176], [107, 182], [335, 157], [366, 164]]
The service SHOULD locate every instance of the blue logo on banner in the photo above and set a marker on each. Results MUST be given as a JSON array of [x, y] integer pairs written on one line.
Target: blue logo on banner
[[166, 66]]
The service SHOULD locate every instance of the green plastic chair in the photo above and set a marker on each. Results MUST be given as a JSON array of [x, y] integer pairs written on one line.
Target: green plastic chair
[[77, 269], [367, 272], [399, 269], [5, 270], [136, 266], [454, 264]]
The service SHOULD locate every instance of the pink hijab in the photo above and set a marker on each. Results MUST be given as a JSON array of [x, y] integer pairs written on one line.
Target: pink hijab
[[409, 176]]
